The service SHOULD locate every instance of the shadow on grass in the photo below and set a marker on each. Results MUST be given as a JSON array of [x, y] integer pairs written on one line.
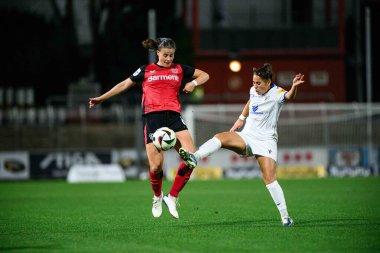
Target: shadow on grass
[[298, 223], [30, 247], [241, 223], [337, 222]]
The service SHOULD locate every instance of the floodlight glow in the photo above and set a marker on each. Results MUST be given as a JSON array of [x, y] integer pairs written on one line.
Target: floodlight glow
[[235, 66]]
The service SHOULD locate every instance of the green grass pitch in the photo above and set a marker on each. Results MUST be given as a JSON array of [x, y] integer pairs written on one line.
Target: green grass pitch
[[331, 215]]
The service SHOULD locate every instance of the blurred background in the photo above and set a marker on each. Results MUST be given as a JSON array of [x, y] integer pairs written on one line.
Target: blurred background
[[55, 54]]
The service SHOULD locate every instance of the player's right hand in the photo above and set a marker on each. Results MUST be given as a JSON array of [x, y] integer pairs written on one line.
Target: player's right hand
[[93, 101], [238, 124]]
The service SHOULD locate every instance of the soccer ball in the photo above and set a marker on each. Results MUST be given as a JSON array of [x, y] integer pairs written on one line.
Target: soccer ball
[[164, 139]]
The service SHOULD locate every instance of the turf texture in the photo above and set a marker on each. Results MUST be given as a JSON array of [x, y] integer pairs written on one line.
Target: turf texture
[[331, 215]]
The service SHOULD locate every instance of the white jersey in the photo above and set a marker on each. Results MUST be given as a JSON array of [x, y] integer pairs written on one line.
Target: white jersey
[[264, 111]]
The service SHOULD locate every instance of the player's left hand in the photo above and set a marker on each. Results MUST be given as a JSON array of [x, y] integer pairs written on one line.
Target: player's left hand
[[189, 87], [298, 79]]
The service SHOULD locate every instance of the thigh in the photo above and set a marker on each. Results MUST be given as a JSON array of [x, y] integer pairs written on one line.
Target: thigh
[[268, 168], [232, 141], [155, 158], [184, 140]]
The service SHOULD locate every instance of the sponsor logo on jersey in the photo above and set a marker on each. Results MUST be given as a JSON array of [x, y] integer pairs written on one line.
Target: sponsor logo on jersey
[[281, 91], [255, 109], [137, 72], [175, 71], [163, 78]]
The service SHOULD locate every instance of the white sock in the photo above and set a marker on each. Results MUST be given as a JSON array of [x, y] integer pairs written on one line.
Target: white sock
[[208, 148], [278, 197]]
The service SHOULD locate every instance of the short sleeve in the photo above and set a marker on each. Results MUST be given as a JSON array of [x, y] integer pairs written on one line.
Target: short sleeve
[[281, 95], [188, 71], [138, 75]]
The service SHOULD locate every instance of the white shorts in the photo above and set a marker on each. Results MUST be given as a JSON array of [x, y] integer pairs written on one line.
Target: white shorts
[[267, 148]]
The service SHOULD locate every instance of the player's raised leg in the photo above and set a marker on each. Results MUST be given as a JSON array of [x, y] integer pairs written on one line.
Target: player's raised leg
[[188, 158], [208, 148]]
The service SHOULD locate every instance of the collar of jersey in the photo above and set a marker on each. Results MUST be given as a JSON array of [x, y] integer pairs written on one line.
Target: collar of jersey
[[163, 66], [271, 86]]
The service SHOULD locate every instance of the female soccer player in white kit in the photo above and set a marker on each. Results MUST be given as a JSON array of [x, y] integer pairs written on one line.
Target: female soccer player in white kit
[[259, 135]]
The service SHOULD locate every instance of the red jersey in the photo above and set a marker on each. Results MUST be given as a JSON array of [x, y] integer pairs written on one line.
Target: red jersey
[[161, 86]]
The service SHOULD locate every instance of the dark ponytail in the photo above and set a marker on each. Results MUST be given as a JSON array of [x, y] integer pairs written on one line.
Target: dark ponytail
[[159, 43], [265, 72], [149, 44]]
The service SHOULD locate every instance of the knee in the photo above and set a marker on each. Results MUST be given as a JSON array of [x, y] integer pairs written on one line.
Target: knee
[[155, 168], [218, 136], [269, 178]]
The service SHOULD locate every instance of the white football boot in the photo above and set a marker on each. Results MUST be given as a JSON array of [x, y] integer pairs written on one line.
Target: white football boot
[[287, 221], [157, 205], [171, 203]]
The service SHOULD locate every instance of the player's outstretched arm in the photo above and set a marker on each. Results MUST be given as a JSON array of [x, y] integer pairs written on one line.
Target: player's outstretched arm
[[240, 121], [117, 89], [298, 79]]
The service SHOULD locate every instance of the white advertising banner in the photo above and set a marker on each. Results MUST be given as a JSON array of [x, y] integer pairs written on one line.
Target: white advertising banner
[[14, 165], [303, 156], [82, 173]]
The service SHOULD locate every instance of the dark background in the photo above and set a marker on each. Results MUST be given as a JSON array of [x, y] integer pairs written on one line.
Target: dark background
[[45, 53]]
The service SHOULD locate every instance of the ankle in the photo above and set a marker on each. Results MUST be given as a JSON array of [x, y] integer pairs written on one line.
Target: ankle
[[172, 197], [284, 213]]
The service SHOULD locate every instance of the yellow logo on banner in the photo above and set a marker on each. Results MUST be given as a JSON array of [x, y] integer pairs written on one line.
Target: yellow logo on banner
[[201, 173], [301, 171]]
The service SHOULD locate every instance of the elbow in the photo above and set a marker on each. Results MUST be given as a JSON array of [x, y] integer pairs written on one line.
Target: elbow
[[206, 76], [289, 98]]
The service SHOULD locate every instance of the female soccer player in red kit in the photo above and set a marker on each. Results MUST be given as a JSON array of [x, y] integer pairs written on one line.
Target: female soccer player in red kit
[[161, 84]]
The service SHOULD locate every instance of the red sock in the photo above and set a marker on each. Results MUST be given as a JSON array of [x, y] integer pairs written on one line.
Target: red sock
[[156, 182], [180, 180]]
